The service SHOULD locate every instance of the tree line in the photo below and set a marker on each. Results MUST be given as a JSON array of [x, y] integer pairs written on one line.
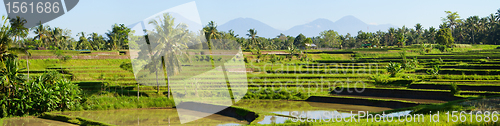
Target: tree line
[[471, 30]]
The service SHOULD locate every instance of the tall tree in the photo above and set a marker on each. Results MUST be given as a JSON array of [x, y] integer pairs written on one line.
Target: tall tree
[[452, 19], [444, 37], [170, 42], [252, 33], [83, 43], [418, 29], [5, 40], [331, 38], [18, 30], [298, 40], [498, 15], [118, 36], [42, 34], [211, 33]]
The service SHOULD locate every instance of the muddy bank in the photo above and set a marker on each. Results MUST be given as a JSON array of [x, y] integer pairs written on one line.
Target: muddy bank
[[81, 57], [398, 93], [462, 87], [235, 112], [364, 102]]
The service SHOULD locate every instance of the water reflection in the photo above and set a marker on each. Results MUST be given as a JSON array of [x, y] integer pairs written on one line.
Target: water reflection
[[316, 115], [150, 117], [26, 121]]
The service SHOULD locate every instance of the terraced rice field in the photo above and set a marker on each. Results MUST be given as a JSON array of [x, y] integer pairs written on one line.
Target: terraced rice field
[[476, 73]]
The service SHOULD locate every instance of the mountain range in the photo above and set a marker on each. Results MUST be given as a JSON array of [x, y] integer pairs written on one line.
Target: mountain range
[[347, 24]]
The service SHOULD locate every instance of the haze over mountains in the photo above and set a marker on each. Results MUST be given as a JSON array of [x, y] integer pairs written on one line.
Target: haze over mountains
[[347, 24]]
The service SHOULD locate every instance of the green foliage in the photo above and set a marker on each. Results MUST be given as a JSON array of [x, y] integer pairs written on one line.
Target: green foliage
[[117, 102], [386, 81], [298, 41], [454, 89], [444, 37], [393, 68], [10, 74], [435, 70], [245, 60], [127, 66], [61, 56], [441, 48], [48, 92], [410, 64], [268, 93]]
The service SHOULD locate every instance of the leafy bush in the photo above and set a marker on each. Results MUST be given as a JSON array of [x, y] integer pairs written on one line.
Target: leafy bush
[[410, 64], [454, 89], [393, 68], [386, 81], [441, 48], [435, 70], [47, 92], [268, 93]]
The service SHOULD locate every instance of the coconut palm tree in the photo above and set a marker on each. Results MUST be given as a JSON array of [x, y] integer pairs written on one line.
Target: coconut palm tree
[[83, 43], [18, 30], [42, 34], [252, 33], [418, 29], [169, 41], [211, 33], [5, 39], [391, 34]]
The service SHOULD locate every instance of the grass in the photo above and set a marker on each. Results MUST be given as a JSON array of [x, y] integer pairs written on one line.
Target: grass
[[125, 102]]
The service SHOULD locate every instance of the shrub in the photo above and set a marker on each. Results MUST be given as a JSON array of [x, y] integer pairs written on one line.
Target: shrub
[[47, 92], [410, 64], [393, 68], [435, 70], [441, 48], [454, 89]]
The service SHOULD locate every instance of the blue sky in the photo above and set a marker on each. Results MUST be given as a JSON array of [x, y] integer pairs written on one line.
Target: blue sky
[[98, 15]]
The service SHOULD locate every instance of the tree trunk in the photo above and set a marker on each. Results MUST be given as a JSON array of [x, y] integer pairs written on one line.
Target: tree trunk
[[157, 84], [27, 65], [168, 87], [137, 91]]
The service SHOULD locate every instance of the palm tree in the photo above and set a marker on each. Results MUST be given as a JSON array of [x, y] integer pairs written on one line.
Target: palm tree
[[83, 43], [17, 28], [498, 15], [5, 39], [42, 34], [452, 19], [231, 33], [391, 34], [431, 34], [252, 33], [418, 28], [169, 45], [211, 33]]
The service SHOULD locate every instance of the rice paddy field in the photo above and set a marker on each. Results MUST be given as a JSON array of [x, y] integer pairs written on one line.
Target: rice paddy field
[[337, 80]]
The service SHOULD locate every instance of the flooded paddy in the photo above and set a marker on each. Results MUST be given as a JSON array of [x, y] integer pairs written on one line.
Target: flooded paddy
[[150, 117], [31, 121]]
